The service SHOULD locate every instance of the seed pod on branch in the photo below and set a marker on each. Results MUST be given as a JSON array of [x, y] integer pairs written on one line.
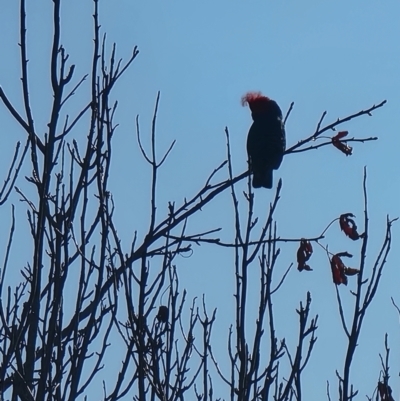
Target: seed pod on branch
[[162, 315]]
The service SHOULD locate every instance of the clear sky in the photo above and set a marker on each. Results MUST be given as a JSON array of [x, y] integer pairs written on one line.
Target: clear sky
[[203, 56]]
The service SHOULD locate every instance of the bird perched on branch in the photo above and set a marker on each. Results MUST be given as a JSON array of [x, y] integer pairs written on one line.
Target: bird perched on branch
[[266, 141]]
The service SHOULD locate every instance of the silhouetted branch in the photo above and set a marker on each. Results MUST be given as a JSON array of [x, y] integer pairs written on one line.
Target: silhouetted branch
[[319, 131], [10, 181], [362, 301], [320, 145], [216, 241], [288, 112]]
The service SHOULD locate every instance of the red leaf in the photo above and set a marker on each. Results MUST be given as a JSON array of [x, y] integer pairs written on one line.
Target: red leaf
[[306, 267], [385, 392], [349, 271], [342, 146], [338, 269], [349, 227], [303, 254], [340, 135], [347, 150]]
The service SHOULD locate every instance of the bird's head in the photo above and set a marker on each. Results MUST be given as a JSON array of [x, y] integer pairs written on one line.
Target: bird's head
[[261, 105], [256, 101]]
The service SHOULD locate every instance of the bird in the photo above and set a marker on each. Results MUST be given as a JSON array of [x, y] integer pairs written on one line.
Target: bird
[[266, 140]]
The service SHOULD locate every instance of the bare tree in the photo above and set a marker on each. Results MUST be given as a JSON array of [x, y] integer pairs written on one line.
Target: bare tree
[[54, 341]]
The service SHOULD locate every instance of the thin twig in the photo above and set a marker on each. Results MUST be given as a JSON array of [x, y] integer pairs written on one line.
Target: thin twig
[[333, 125]]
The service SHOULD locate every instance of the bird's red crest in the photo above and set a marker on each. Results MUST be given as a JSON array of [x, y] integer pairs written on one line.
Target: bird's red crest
[[256, 101]]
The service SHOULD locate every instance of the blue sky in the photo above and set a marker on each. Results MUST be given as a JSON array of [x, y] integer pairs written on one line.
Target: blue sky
[[203, 56]]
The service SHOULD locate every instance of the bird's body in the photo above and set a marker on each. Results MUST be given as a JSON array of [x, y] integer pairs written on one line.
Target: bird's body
[[266, 140]]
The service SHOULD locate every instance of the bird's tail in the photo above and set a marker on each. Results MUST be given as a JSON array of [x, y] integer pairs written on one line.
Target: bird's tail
[[263, 180]]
